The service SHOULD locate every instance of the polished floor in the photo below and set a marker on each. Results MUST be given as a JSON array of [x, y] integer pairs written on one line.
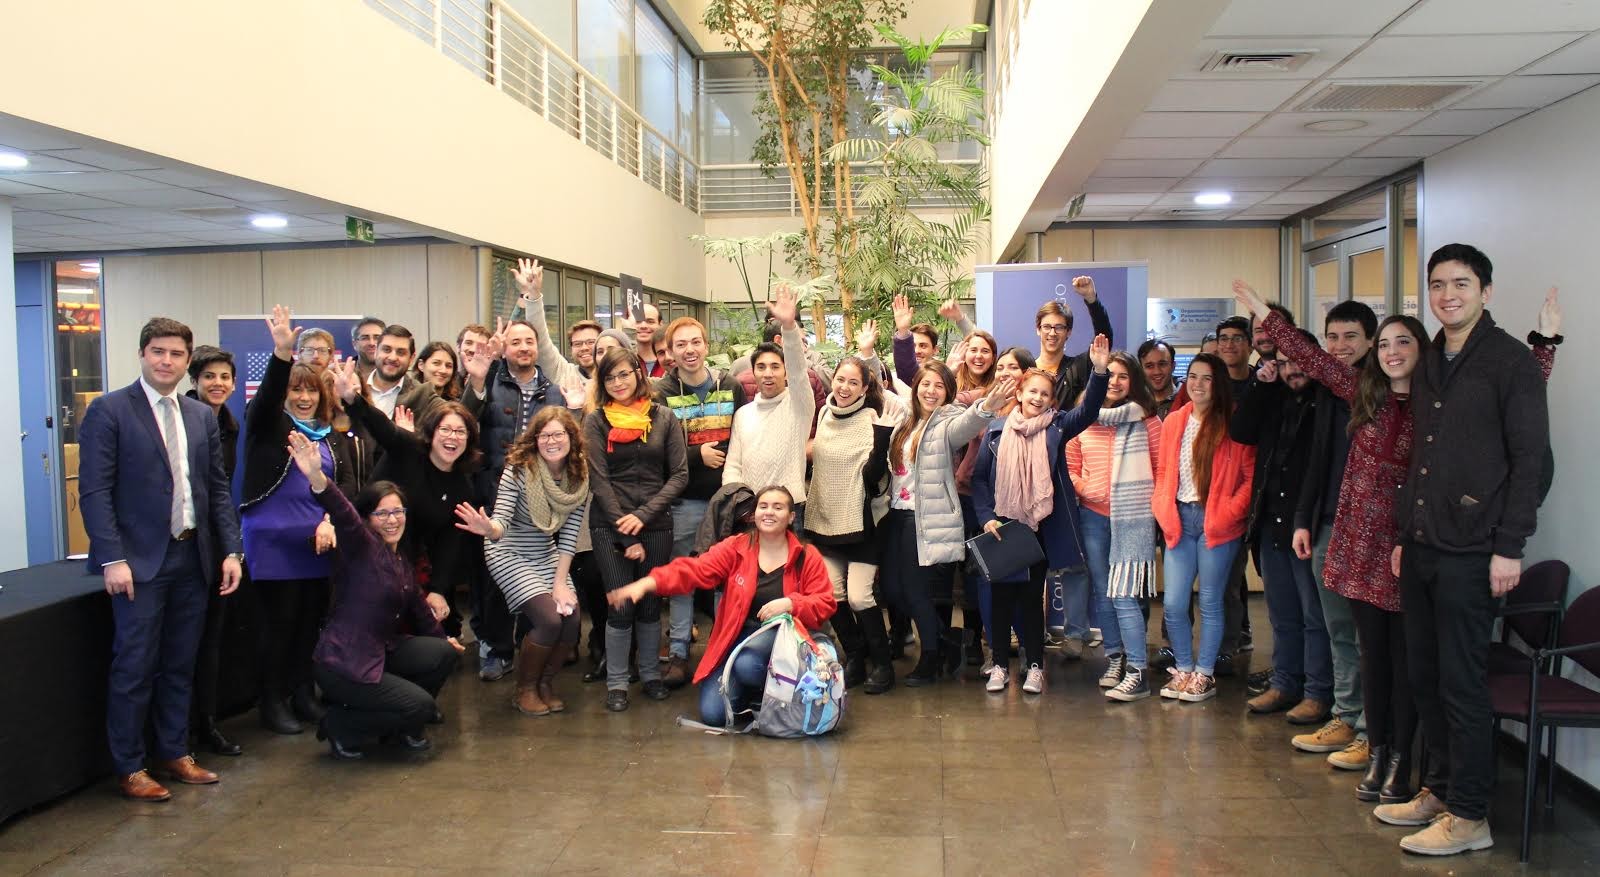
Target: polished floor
[[925, 781]]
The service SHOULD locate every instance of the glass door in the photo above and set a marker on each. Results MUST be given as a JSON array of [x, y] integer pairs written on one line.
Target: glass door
[[1354, 268], [80, 377]]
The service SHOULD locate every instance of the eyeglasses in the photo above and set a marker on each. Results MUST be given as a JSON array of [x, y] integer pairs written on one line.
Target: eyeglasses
[[455, 431], [373, 337], [618, 377], [317, 351], [389, 514], [578, 345], [552, 437], [1232, 339], [1055, 329]]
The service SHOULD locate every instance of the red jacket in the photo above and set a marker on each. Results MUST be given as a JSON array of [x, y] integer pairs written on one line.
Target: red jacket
[[1227, 504], [735, 562]]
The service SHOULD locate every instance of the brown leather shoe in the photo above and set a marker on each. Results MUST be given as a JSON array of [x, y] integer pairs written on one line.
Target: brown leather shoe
[[677, 673], [184, 770], [140, 787], [1270, 701], [1308, 712]]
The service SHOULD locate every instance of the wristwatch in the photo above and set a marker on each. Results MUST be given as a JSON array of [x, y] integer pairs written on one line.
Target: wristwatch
[[239, 556]]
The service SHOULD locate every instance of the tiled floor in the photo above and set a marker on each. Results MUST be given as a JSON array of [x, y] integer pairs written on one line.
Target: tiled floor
[[924, 781]]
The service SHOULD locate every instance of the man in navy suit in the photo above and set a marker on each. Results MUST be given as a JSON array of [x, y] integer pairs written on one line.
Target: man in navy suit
[[162, 530]]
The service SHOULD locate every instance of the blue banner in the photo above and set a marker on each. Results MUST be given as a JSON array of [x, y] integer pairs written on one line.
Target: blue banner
[[1010, 295]]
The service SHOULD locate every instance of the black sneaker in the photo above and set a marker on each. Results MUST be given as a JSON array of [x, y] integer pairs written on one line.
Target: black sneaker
[[1224, 667], [926, 672], [1258, 683], [616, 700], [1165, 657], [1131, 688], [655, 689]]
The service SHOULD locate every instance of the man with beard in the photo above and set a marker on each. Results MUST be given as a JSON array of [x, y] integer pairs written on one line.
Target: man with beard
[[364, 337], [1156, 357]]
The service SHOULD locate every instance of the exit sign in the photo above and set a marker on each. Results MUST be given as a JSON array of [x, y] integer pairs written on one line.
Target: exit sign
[[357, 229]]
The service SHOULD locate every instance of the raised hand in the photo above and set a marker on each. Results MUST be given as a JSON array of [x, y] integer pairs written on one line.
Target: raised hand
[[475, 520], [1550, 315], [575, 394], [307, 456], [497, 341], [530, 277], [1100, 353], [477, 367], [1083, 285], [346, 380], [1250, 300], [903, 314], [284, 332], [867, 337], [404, 419], [1268, 372], [951, 310], [1000, 394], [785, 306]]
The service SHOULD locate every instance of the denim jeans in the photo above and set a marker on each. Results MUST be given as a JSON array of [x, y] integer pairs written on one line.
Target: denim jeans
[[1121, 621], [1067, 602], [1302, 662], [686, 517], [1342, 642], [745, 683], [1184, 561]]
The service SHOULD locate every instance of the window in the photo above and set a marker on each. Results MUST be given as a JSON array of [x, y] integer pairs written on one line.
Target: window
[[605, 43], [658, 71], [553, 18]]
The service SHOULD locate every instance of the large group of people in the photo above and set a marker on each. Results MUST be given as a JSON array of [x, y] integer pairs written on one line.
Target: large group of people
[[1383, 483]]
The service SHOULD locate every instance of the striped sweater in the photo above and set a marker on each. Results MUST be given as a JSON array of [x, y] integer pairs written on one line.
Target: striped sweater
[[708, 422], [1089, 463]]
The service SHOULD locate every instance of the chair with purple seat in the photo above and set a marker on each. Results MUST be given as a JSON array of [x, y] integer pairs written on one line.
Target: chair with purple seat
[[1546, 702], [1533, 612]]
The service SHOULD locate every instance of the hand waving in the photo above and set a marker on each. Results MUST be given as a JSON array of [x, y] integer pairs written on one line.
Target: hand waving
[[951, 310], [346, 380], [1083, 285], [785, 306], [1250, 300], [530, 277], [999, 394], [474, 520], [404, 419], [307, 456], [1550, 315], [903, 314], [867, 337], [1100, 353], [284, 332]]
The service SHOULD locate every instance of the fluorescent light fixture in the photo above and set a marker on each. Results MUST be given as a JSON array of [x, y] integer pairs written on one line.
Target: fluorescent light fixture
[[268, 221], [10, 161], [92, 267], [1334, 126], [1213, 199]]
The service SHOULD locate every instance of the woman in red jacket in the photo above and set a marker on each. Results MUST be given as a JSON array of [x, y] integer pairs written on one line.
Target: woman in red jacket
[[763, 574], [1201, 499]]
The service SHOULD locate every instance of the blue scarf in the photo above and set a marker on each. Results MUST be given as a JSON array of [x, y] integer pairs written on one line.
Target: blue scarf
[[311, 431]]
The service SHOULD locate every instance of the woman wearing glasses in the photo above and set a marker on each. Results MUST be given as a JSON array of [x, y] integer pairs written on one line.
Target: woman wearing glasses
[[382, 658], [532, 537], [638, 464]]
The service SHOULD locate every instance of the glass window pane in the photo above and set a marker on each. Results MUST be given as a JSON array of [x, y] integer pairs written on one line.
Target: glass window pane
[[553, 18], [602, 305], [1324, 291], [575, 291], [686, 123], [1367, 281], [658, 71], [727, 120], [1410, 267], [605, 43], [79, 375], [1356, 213]]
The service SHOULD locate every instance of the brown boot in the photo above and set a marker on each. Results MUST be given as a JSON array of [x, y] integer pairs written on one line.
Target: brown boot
[[547, 687], [531, 661]]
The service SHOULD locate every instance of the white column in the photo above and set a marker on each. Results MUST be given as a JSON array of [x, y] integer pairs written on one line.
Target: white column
[[13, 540]]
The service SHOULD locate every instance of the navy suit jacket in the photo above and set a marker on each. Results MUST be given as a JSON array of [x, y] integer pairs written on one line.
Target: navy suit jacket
[[125, 484]]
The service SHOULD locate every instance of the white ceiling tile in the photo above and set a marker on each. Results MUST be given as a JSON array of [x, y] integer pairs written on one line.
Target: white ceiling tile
[[60, 202], [1527, 91], [10, 186], [180, 177], [1468, 122], [1167, 147], [1128, 184], [168, 197], [1273, 17], [1325, 54], [40, 163], [1332, 184], [1208, 95], [1580, 57], [1294, 124], [1118, 199], [1234, 184], [1265, 212], [1500, 16], [1191, 124], [128, 160], [1262, 167], [1358, 167], [1295, 147], [240, 236], [1186, 199], [90, 181], [1478, 55], [1147, 167], [247, 193], [1295, 199], [25, 136], [43, 219], [1411, 146]]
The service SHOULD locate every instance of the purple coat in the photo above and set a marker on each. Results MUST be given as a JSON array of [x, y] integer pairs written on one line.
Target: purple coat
[[377, 603]]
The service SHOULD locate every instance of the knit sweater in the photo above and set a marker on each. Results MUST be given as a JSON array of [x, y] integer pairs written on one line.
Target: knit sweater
[[849, 460], [769, 435], [1089, 462], [707, 422]]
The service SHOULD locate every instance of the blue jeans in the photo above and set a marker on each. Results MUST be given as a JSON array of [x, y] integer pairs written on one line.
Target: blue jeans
[[1184, 561], [1302, 662], [1121, 620], [1067, 603], [686, 517], [745, 683]]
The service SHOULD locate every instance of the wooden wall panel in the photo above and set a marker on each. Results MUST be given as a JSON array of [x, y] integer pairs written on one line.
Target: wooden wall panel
[[387, 282], [1196, 263], [453, 297], [192, 288]]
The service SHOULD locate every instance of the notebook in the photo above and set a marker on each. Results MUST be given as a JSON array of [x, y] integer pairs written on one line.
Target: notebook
[[1014, 551]]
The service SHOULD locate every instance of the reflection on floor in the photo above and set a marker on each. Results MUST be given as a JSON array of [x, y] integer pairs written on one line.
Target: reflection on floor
[[945, 779]]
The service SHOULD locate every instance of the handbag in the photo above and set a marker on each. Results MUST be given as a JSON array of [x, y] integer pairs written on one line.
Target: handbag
[[1001, 557]]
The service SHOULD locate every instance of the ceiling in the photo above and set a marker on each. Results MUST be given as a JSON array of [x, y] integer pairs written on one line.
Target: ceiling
[[82, 195], [1240, 132]]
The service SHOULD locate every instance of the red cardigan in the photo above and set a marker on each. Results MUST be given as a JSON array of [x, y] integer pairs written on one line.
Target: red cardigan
[[1227, 504], [735, 562]]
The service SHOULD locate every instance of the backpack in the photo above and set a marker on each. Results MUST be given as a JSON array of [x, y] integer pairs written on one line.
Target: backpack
[[804, 694]]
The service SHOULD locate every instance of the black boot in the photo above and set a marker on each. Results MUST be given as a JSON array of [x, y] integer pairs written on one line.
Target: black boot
[[307, 706], [899, 634], [1397, 778], [852, 647], [881, 678], [210, 736], [952, 650], [1372, 782], [277, 717], [927, 670], [597, 666]]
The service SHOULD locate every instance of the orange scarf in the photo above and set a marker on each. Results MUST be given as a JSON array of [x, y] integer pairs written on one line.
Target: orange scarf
[[628, 422]]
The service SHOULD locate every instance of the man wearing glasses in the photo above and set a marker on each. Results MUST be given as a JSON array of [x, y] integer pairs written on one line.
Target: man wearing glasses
[[314, 347], [365, 336]]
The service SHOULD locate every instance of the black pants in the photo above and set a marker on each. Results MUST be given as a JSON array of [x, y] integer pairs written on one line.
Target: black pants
[[910, 587], [1449, 614], [208, 664], [1004, 598], [546, 626], [1235, 621], [401, 701], [1391, 710], [617, 571], [291, 617], [492, 622], [591, 590]]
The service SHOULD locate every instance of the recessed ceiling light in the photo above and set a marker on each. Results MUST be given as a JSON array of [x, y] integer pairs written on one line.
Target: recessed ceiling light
[[1328, 126], [10, 161], [1213, 199], [268, 221]]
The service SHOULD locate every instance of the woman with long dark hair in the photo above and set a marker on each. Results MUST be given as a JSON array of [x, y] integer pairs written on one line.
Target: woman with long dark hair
[[285, 534], [531, 540], [438, 366], [1201, 501], [638, 464], [383, 657]]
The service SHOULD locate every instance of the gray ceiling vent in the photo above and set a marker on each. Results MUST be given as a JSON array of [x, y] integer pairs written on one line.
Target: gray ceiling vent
[[1384, 96], [1241, 61]]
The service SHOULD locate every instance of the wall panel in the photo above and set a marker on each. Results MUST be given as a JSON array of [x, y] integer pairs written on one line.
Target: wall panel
[[191, 288]]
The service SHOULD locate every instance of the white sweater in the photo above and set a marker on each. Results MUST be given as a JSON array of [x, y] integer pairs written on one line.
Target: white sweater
[[768, 445]]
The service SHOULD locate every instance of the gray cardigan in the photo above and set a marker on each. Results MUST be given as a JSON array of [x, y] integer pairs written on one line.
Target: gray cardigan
[[941, 531]]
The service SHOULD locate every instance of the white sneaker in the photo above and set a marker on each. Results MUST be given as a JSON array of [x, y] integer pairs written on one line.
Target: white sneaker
[[1035, 681], [998, 679]]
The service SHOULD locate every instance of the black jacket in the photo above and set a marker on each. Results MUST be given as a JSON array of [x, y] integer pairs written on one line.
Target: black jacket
[[502, 417], [1330, 448], [266, 441], [1074, 373], [640, 478], [1281, 425], [228, 428], [1481, 435]]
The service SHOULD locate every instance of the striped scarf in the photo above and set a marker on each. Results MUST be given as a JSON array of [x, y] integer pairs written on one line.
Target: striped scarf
[[1133, 525], [628, 422]]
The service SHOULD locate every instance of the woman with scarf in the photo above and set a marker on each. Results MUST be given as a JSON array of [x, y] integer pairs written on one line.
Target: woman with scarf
[[1022, 476], [285, 528], [638, 464], [849, 460], [1113, 465], [530, 543]]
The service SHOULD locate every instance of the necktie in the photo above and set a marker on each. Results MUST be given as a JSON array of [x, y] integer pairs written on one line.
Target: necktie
[[169, 433]]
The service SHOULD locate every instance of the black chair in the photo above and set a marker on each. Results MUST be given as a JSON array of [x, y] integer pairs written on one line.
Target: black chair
[[1533, 610], [1547, 702]]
